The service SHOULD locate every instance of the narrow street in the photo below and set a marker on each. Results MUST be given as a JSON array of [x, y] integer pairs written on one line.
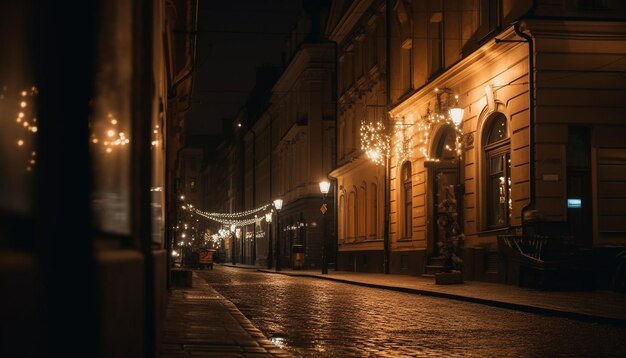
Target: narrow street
[[311, 317]]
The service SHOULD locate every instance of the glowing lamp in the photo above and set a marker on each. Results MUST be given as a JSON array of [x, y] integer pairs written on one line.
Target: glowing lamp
[[324, 186], [456, 114]]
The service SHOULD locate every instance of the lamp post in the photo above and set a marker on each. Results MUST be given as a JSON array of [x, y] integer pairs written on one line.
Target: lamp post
[[268, 219], [278, 204], [232, 244], [324, 187]]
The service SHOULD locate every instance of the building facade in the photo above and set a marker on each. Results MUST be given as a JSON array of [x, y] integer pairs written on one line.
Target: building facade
[[85, 219], [539, 154], [302, 140], [359, 30]]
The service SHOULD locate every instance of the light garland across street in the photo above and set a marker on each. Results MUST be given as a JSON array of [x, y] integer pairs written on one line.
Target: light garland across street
[[229, 219]]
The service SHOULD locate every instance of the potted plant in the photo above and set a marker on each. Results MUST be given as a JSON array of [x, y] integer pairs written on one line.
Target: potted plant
[[451, 243]]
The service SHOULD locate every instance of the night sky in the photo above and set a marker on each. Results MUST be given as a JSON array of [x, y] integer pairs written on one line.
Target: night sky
[[234, 37]]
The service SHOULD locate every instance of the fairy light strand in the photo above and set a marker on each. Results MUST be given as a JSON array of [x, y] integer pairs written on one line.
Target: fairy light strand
[[374, 141]]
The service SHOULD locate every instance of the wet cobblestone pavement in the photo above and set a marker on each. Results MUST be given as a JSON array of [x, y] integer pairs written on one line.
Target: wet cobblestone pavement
[[316, 318]]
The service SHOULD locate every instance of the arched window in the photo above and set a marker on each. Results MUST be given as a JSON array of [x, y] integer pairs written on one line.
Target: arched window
[[407, 201], [361, 218], [446, 146], [497, 172], [342, 218], [352, 216], [373, 210]]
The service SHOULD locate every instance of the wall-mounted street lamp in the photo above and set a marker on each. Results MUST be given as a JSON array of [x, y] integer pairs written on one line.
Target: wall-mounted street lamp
[[278, 204], [448, 102], [324, 187]]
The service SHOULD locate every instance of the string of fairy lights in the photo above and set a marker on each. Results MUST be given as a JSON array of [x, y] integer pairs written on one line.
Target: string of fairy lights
[[231, 224], [375, 141], [25, 119], [232, 220]]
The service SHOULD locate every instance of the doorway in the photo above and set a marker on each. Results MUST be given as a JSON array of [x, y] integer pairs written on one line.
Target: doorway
[[444, 184]]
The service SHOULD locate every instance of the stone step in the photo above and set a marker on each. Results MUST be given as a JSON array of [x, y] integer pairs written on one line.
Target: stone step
[[433, 269], [437, 261]]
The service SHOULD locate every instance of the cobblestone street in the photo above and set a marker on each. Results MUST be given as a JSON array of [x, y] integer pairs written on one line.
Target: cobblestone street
[[310, 317]]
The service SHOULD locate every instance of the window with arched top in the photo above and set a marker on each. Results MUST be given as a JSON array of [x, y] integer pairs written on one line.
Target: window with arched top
[[352, 216], [407, 200], [445, 148], [362, 205], [373, 220], [497, 154], [342, 218]]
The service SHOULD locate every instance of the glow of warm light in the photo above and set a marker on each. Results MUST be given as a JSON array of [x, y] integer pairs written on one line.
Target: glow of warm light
[[184, 235], [20, 142], [278, 204], [374, 155], [268, 216], [33, 129], [324, 186], [374, 141], [24, 93], [233, 227], [433, 120], [403, 134], [182, 197], [114, 121], [25, 124], [109, 150], [21, 114], [174, 253], [23, 104], [94, 141], [456, 113], [110, 132]]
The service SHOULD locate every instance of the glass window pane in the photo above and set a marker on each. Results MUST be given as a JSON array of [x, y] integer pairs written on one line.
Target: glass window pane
[[497, 131], [111, 119], [496, 165], [18, 110], [158, 175]]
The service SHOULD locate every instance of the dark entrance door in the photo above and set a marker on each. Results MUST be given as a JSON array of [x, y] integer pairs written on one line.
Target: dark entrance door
[[444, 187], [444, 184]]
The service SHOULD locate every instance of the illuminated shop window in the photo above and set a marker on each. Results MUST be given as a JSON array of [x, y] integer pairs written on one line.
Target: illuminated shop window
[[18, 111], [111, 120]]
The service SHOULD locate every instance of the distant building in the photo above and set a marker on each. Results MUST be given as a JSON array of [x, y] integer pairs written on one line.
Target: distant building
[[359, 30]]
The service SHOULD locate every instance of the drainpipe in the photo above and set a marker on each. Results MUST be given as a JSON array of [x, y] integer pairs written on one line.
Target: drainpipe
[[386, 245], [253, 254], [334, 181], [531, 124], [269, 230]]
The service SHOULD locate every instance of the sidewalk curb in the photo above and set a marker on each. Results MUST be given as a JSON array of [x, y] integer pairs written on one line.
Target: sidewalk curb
[[494, 303]]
